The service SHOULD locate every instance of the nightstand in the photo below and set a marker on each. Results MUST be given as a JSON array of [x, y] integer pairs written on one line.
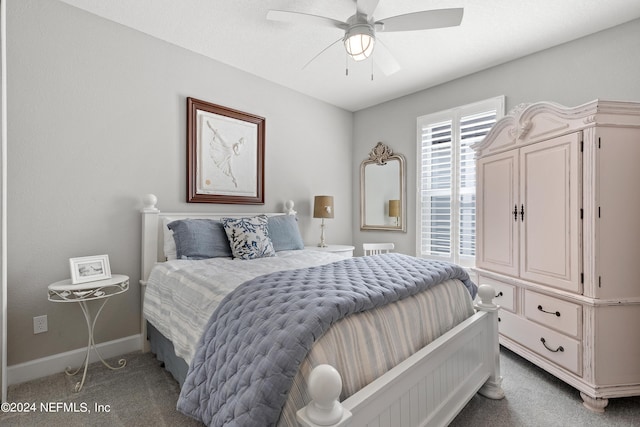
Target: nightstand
[[344, 250], [82, 293]]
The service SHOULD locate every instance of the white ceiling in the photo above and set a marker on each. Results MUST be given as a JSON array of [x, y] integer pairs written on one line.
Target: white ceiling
[[237, 33]]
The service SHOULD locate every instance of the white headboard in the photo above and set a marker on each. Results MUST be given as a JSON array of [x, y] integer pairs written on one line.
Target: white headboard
[[153, 234], [153, 241]]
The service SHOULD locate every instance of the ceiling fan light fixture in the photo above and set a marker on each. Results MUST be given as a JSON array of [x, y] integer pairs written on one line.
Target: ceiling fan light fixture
[[359, 41]]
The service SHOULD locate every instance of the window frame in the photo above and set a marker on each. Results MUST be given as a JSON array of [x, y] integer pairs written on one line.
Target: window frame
[[453, 115]]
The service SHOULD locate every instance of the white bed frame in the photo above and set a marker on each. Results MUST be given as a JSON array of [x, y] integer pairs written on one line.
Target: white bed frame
[[428, 389]]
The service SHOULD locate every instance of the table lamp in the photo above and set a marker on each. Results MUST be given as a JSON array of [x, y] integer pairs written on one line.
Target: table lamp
[[322, 208]]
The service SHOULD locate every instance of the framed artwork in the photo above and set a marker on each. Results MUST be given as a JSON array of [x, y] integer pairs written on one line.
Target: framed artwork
[[89, 268], [225, 155]]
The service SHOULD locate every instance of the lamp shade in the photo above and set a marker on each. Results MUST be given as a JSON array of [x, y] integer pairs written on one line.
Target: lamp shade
[[323, 207], [394, 208]]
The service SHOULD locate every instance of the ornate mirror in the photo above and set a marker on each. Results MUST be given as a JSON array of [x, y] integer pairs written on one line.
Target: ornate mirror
[[382, 190]]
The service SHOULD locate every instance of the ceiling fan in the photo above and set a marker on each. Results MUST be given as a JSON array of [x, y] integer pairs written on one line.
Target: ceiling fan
[[360, 29]]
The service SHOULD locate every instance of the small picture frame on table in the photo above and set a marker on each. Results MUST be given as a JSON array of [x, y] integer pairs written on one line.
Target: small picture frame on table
[[89, 268]]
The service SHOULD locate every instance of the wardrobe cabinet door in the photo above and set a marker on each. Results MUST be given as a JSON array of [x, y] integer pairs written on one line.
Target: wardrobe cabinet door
[[550, 200], [497, 223], [617, 242]]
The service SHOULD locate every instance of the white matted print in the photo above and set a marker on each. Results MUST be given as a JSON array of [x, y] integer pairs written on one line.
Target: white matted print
[[228, 154], [89, 268]]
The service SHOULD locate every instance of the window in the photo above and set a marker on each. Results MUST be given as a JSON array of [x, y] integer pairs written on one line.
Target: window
[[446, 217]]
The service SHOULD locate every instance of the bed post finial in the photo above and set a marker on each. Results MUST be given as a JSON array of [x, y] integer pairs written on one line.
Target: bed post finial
[[149, 203], [486, 294], [288, 208], [325, 386]]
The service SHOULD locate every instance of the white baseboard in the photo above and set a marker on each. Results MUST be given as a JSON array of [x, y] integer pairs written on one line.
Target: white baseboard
[[56, 363]]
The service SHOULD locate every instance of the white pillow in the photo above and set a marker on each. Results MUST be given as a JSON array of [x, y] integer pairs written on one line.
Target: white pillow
[[169, 247]]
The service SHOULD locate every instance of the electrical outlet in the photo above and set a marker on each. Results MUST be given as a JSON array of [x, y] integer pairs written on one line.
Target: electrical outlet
[[40, 324]]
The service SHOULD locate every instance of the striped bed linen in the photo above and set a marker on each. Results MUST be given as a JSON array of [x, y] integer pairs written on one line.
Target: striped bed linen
[[364, 346], [181, 296]]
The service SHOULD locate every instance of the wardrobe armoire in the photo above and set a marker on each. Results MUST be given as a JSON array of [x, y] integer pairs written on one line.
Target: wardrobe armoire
[[558, 237]]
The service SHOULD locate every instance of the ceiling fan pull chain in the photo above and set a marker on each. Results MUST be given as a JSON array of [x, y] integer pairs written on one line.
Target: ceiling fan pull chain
[[371, 61], [346, 65]]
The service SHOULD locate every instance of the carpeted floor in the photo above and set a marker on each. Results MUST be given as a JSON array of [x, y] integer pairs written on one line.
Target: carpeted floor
[[144, 394], [535, 398], [140, 394]]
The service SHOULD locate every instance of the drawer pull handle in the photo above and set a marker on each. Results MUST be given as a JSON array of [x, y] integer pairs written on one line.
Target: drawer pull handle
[[557, 313], [499, 294], [559, 349]]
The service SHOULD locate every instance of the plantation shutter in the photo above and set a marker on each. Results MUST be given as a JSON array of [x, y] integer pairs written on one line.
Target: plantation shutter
[[447, 206], [437, 162]]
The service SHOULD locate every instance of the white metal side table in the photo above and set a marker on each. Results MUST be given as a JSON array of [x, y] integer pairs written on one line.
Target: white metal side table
[[82, 293]]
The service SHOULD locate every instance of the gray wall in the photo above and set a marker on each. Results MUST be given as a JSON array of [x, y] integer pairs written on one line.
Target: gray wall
[[97, 119], [605, 65]]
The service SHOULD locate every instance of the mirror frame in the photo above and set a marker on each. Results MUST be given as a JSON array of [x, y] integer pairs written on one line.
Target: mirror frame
[[380, 155]]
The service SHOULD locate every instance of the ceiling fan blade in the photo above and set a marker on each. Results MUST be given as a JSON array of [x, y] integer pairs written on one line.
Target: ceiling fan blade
[[305, 18], [366, 7], [321, 52], [384, 59], [424, 20]]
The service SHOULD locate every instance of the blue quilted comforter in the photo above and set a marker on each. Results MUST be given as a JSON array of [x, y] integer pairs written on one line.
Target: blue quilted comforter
[[260, 333]]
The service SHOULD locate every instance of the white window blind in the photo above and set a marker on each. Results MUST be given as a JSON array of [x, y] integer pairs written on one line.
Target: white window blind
[[446, 179]]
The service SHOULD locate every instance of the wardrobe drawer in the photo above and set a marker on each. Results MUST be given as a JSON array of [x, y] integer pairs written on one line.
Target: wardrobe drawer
[[505, 293], [553, 346], [554, 313]]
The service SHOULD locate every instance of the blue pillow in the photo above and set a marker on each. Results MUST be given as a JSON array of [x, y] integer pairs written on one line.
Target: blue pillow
[[284, 233], [200, 239]]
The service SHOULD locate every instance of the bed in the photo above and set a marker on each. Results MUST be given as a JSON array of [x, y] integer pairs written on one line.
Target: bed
[[363, 367]]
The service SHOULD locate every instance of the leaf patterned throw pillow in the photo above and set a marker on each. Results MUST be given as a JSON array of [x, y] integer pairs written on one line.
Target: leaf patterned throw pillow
[[249, 237]]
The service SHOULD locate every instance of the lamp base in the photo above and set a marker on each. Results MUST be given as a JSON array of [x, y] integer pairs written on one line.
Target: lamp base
[[322, 243]]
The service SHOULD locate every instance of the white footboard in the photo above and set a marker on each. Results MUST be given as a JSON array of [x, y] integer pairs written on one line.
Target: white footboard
[[427, 389]]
